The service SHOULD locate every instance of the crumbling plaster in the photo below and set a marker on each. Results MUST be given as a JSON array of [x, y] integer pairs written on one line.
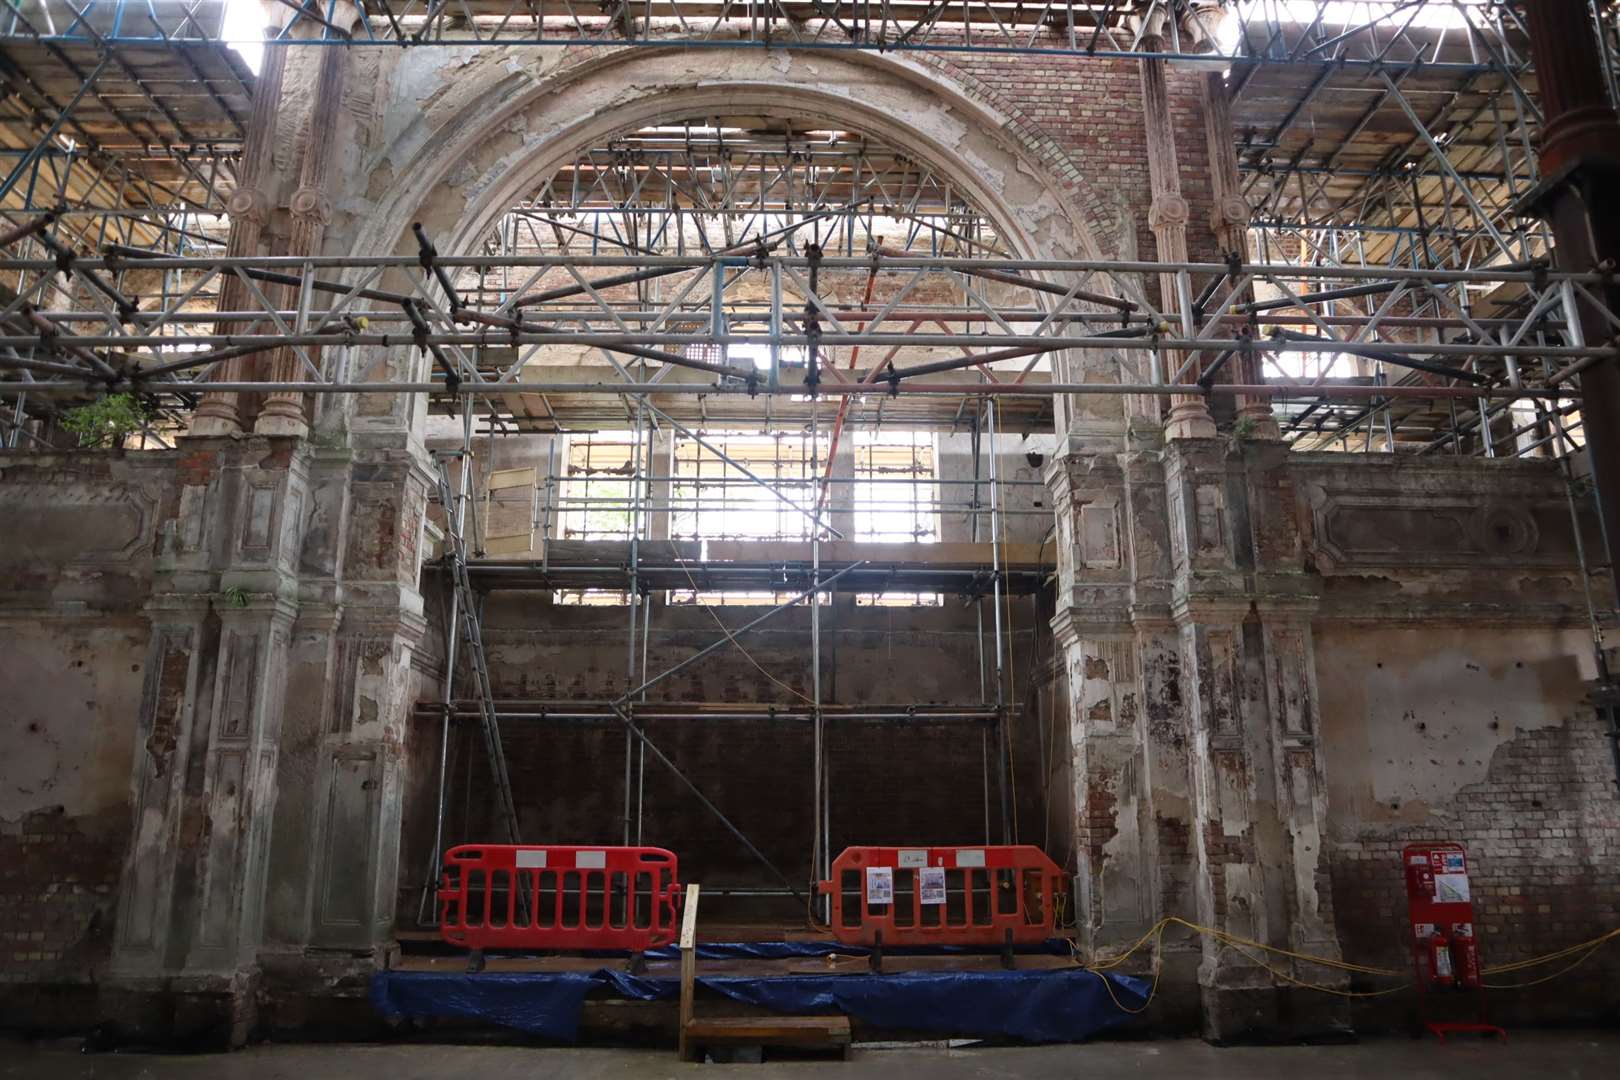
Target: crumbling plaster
[[453, 144]]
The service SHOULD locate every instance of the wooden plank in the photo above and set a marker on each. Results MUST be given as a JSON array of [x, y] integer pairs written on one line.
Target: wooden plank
[[688, 945], [510, 478], [802, 1031], [519, 544]]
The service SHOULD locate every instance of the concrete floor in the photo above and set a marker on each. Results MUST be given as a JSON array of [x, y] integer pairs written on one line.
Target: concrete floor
[[1571, 1054]]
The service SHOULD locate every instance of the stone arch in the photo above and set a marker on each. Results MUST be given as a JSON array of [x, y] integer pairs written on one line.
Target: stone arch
[[535, 110]]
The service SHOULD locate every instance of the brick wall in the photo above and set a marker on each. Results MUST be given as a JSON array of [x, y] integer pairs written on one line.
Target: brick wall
[[58, 883], [1083, 119], [892, 782], [1540, 818]]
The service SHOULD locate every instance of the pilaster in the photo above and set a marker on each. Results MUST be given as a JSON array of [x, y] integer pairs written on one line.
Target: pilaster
[[221, 413], [311, 211], [1168, 215], [1258, 793], [191, 898]]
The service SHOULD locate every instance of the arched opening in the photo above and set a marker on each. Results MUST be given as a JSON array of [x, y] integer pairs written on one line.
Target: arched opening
[[688, 253]]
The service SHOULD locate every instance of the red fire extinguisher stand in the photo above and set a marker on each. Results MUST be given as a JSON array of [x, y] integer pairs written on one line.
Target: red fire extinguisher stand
[[1443, 935]]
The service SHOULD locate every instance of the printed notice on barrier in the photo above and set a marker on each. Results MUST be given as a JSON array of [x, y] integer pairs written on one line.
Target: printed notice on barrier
[[879, 885], [1451, 888], [931, 884], [913, 857]]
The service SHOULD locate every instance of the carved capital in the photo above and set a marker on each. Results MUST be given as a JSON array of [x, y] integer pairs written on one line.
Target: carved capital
[[248, 205], [1230, 211], [311, 204], [1169, 210], [1201, 24]]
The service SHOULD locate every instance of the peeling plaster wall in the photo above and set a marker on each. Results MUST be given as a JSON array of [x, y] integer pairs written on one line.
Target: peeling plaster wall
[[77, 537], [1057, 165], [1478, 736], [64, 790]]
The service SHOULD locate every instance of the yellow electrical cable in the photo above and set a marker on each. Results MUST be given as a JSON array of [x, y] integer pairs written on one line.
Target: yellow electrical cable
[[1549, 978], [1242, 945], [1537, 961], [1279, 973], [1235, 940]]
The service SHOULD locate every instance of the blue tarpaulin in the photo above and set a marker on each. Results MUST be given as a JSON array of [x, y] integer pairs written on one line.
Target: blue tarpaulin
[[1063, 1005]]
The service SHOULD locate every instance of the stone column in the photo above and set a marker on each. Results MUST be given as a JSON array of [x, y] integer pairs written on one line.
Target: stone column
[[1189, 415], [335, 855], [249, 209], [1259, 802], [191, 899], [1231, 223], [311, 209], [1092, 627], [1128, 745]]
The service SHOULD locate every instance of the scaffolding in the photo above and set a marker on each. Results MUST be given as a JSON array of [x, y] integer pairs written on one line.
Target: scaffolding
[[640, 566], [1393, 294], [1382, 136]]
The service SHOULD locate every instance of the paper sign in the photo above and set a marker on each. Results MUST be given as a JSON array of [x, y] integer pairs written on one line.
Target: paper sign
[[913, 857], [1453, 862], [931, 884], [879, 885], [1451, 888]]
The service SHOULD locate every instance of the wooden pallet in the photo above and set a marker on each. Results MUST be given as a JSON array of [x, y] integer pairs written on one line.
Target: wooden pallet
[[799, 1032]]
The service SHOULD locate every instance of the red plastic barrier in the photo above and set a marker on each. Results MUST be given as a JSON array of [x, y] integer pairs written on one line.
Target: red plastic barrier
[[506, 896], [992, 896]]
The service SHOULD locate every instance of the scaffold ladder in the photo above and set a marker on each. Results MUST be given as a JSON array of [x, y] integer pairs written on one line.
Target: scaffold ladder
[[473, 639]]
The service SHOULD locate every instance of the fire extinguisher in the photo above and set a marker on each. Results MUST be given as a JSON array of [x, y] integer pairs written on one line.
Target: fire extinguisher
[[1440, 968], [1465, 954]]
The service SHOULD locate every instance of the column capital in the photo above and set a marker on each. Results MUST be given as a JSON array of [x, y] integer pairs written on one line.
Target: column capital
[[310, 204], [1168, 211], [248, 205]]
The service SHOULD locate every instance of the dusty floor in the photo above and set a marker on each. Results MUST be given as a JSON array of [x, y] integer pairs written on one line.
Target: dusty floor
[[1572, 1054]]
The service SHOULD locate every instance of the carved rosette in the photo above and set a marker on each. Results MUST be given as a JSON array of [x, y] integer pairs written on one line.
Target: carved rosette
[[248, 206], [1169, 211], [310, 204]]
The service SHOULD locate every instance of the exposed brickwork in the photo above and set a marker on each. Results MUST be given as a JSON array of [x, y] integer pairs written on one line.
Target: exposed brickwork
[[892, 782], [58, 880], [1083, 120], [1543, 838]]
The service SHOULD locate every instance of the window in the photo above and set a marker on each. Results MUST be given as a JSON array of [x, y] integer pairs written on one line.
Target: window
[[590, 597], [715, 500], [899, 599], [737, 599], [1293, 365], [895, 499], [595, 502]]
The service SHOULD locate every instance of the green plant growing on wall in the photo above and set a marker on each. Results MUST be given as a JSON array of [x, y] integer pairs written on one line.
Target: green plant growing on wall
[[236, 596], [106, 421], [1243, 429]]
